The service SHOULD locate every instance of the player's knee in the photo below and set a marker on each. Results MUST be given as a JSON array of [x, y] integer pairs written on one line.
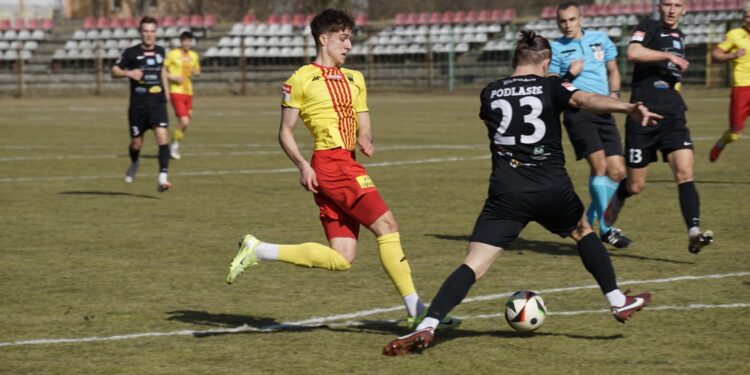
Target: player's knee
[[384, 225], [616, 174], [685, 176], [636, 187]]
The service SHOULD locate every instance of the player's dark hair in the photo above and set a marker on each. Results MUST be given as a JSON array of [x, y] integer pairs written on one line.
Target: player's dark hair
[[568, 4], [531, 49], [330, 21], [186, 35], [147, 19]]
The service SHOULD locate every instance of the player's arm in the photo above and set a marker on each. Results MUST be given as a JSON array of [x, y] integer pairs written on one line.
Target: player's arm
[[364, 134], [613, 78], [308, 179], [165, 81], [720, 56], [197, 67], [638, 53], [120, 72], [604, 104]]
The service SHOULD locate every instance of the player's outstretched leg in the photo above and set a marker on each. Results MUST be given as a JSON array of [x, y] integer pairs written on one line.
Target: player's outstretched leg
[[726, 138], [130, 173], [699, 240]]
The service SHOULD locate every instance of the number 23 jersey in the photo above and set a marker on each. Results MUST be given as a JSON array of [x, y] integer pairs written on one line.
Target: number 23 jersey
[[522, 115]]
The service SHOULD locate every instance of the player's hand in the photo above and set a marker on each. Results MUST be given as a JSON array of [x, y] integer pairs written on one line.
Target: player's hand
[[681, 63], [576, 67], [135, 74], [740, 52], [366, 146], [308, 179], [640, 112]]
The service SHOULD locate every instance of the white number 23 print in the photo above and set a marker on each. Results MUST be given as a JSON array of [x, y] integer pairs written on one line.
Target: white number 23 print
[[532, 118]]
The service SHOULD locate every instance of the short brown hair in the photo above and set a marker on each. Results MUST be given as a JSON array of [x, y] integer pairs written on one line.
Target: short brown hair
[[330, 21], [147, 19]]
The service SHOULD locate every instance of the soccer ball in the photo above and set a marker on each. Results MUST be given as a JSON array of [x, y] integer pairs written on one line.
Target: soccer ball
[[525, 311]]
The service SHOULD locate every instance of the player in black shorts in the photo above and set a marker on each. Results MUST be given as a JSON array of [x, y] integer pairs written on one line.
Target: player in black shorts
[[529, 183], [658, 50], [143, 64]]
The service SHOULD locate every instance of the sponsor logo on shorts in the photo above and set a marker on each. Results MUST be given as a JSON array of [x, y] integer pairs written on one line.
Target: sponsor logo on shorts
[[365, 182], [687, 143]]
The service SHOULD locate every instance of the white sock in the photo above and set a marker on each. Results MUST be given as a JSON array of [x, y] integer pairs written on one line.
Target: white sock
[[414, 305], [162, 177], [694, 232], [267, 251], [615, 298], [428, 323]]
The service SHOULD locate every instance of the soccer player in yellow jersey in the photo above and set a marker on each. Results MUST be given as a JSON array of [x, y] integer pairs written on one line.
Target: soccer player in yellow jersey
[[735, 47], [332, 103], [182, 65]]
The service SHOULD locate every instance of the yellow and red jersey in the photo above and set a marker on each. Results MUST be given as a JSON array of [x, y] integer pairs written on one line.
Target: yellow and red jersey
[[180, 63], [738, 38], [328, 99]]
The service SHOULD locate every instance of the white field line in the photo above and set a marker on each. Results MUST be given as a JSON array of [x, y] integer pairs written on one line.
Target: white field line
[[318, 321], [231, 153], [239, 171]]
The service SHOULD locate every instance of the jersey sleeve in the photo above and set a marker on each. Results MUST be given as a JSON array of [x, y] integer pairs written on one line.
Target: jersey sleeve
[[610, 50], [196, 60], [126, 60], [728, 43], [562, 91], [360, 102], [291, 92], [555, 64], [642, 33]]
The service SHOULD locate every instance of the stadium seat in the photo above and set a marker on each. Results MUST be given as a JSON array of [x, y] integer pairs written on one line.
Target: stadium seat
[[273, 19], [484, 16], [209, 21], [211, 52], [168, 21], [10, 35], [472, 16], [111, 53], [273, 51], [248, 19], [183, 21], [102, 22], [59, 54], [105, 34], [4, 25], [23, 35], [128, 22], [459, 17], [424, 18], [10, 55], [30, 45], [171, 32]]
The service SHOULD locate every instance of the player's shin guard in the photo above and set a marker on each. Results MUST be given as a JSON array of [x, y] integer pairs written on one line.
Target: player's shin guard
[[395, 264], [133, 154], [596, 260], [454, 290], [622, 190], [689, 204], [313, 255], [178, 135], [163, 158]]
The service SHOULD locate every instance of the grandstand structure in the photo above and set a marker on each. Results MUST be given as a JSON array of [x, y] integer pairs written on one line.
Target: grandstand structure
[[412, 50]]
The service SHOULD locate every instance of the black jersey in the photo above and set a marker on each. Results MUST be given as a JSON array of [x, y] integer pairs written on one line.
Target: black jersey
[[654, 82], [522, 115], [149, 89]]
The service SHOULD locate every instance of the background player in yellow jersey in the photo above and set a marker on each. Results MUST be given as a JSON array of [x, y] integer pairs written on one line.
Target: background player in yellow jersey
[[182, 65], [332, 102], [735, 47]]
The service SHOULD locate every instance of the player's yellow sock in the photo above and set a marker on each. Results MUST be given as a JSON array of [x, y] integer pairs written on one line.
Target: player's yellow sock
[[729, 137], [395, 264], [178, 135], [313, 255]]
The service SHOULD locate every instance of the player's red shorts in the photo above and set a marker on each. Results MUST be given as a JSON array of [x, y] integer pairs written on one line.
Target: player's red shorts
[[346, 196], [739, 108], [182, 104]]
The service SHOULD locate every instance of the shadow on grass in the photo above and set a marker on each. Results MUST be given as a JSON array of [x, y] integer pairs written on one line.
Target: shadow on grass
[[558, 248], [107, 194], [230, 324]]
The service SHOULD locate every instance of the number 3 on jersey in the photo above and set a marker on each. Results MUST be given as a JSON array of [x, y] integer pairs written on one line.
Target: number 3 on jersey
[[532, 118]]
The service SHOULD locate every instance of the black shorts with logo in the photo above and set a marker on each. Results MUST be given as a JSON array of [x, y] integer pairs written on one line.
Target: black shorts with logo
[[591, 132], [641, 143], [147, 116], [505, 215]]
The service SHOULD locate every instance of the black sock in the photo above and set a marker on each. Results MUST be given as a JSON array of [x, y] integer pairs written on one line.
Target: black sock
[[454, 290], [690, 204], [622, 190], [163, 158], [596, 260], [133, 154]]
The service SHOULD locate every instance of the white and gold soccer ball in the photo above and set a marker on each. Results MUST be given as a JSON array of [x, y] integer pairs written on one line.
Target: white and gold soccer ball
[[525, 311]]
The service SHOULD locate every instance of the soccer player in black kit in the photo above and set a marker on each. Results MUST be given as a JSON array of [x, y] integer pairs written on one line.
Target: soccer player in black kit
[[143, 64], [529, 183], [658, 50]]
